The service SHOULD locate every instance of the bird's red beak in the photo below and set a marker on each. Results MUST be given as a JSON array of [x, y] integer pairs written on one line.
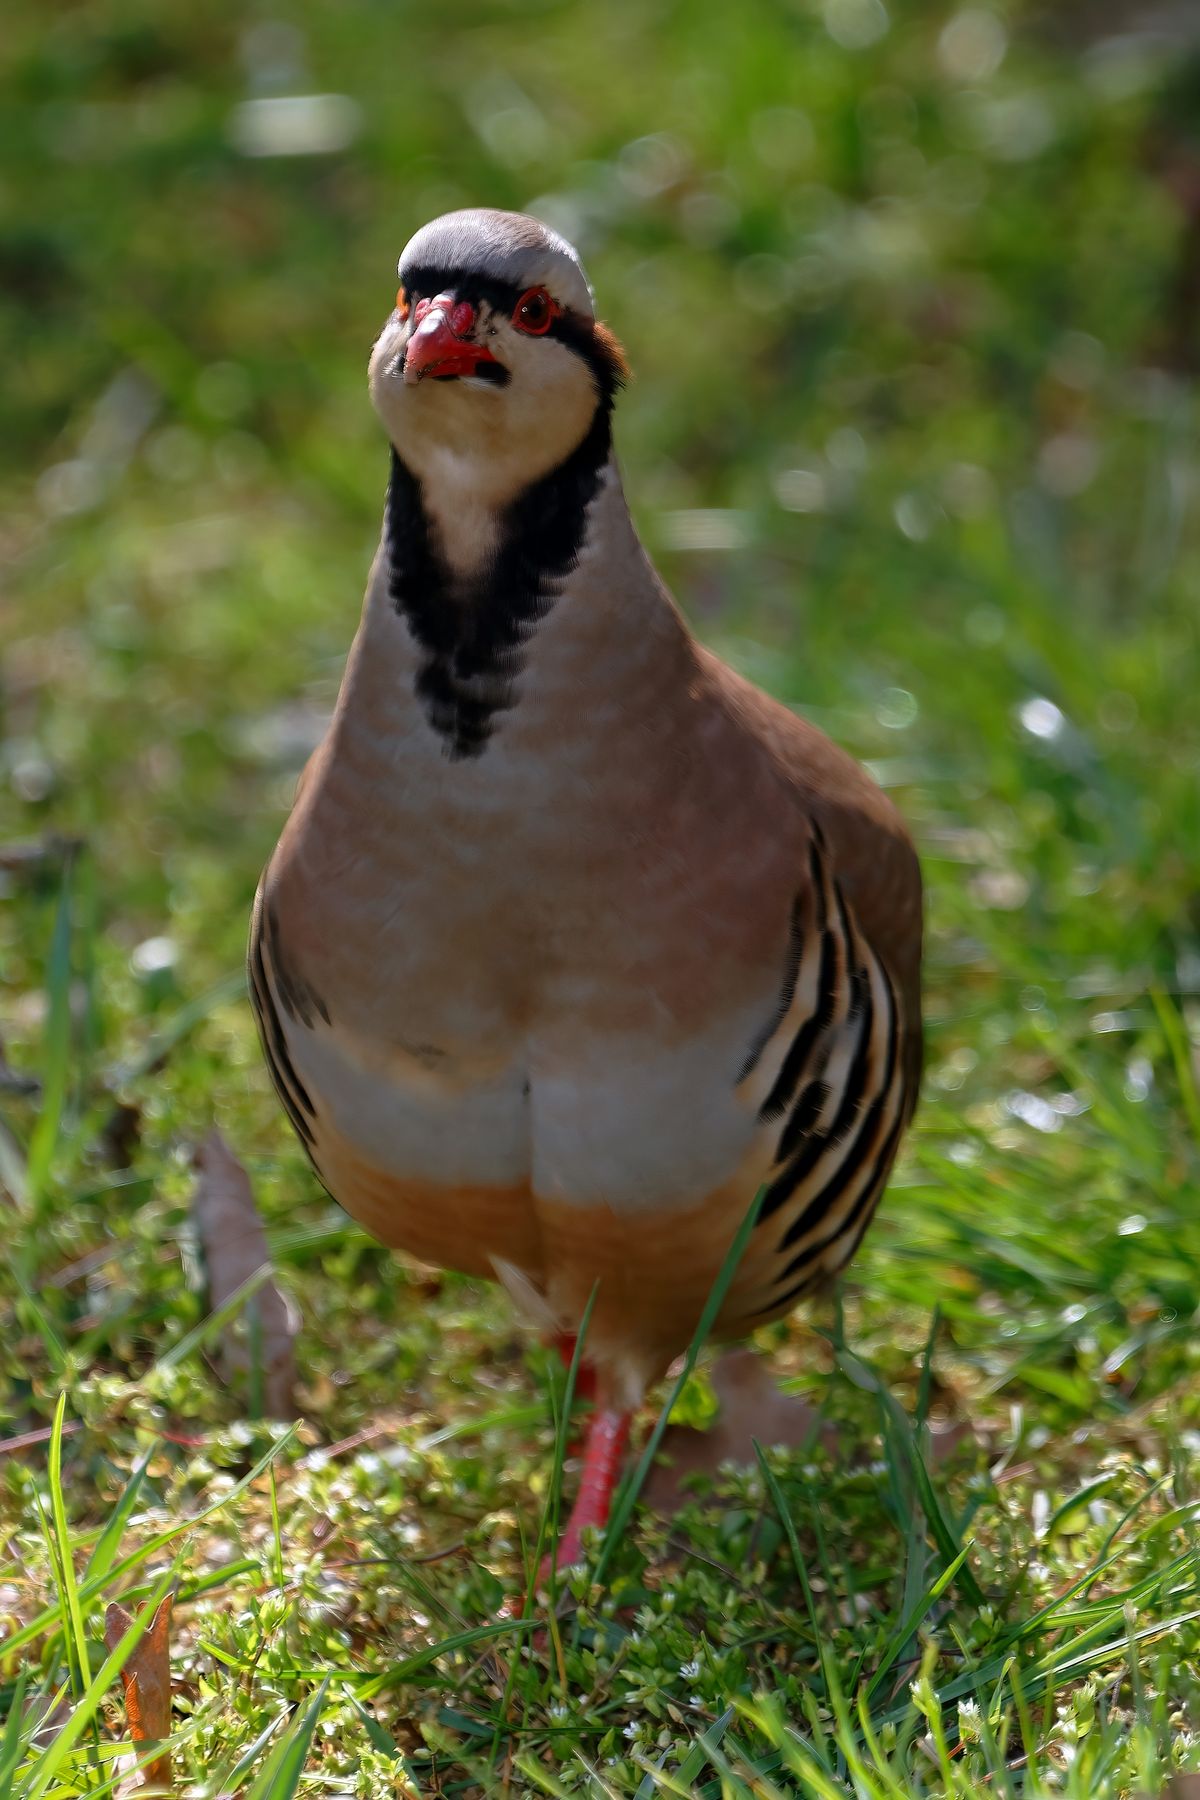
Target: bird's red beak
[[436, 344]]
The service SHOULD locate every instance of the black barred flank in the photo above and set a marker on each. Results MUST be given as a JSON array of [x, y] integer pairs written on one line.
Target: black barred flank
[[844, 1127], [809, 1034], [861, 1005], [819, 1205], [868, 1204], [261, 988], [801, 1120], [868, 1195], [796, 1060], [814, 1148], [790, 1295], [293, 1094], [299, 999], [787, 993], [882, 1161]]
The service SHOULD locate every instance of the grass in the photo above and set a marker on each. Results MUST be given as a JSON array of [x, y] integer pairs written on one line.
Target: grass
[[913, 437]]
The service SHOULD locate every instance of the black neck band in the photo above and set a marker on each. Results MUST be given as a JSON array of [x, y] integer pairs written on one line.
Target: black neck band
[[473, 637]]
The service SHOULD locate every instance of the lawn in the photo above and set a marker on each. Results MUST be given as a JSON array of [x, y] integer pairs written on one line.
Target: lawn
[[910, 296]]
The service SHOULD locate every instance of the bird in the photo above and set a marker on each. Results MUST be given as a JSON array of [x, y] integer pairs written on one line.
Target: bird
[[576, 945]]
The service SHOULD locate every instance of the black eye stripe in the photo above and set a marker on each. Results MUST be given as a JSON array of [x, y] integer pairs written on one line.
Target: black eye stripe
[[425, 281]]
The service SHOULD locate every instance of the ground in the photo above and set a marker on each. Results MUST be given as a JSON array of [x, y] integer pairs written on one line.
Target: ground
[[910, 297]]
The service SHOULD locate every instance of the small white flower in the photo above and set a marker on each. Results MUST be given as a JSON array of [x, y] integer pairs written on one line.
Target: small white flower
[[690, 1670]]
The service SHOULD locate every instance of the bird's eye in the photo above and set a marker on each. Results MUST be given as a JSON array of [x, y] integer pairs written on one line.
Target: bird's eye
[[402, 303], [534, 311]]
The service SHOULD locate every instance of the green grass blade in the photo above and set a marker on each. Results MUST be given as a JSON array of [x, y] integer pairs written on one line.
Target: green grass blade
[[12, 1745], [881, 1763], [549, 1522], [900, 1426], [1176, 1035], [56, 1349], [280, 1776], [909, 1624], [537, 1772], [385, 1743], [56, 1056], [277, 1535], [798, 1757], [1069, 1659], [113, 1754], [528, 1413], [105, 1549], [789, 1526], [62, 1533], [229, 1782], [462, 1640], [690, 1768]]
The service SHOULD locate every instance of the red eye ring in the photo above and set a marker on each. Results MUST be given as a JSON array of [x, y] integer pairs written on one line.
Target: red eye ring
[[535, 312], [402, 304]]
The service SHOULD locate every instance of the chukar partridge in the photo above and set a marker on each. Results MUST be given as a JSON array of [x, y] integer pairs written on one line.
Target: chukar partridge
[[574, 940]]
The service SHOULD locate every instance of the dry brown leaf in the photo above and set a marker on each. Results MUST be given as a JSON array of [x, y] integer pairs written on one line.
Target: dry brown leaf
[[147, 1681], [751, 1407], [235, 1248]]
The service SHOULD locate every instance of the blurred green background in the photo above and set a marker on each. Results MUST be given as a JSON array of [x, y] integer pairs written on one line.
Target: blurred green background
[[910, 292]]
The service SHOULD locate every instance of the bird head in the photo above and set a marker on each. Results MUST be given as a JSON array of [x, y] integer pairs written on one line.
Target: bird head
[[493, 355]]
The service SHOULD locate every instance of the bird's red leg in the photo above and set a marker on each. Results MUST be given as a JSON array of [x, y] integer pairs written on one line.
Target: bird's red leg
[[604, 1449], [585, 1374], [585, 1377]]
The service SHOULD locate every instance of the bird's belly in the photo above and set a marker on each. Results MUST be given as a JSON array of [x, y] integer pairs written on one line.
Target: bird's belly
[[574, 1166], [430, 1153], [636, 1124], [454, 1157], [422, 1113], [622, 1177], [632, 1126]]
